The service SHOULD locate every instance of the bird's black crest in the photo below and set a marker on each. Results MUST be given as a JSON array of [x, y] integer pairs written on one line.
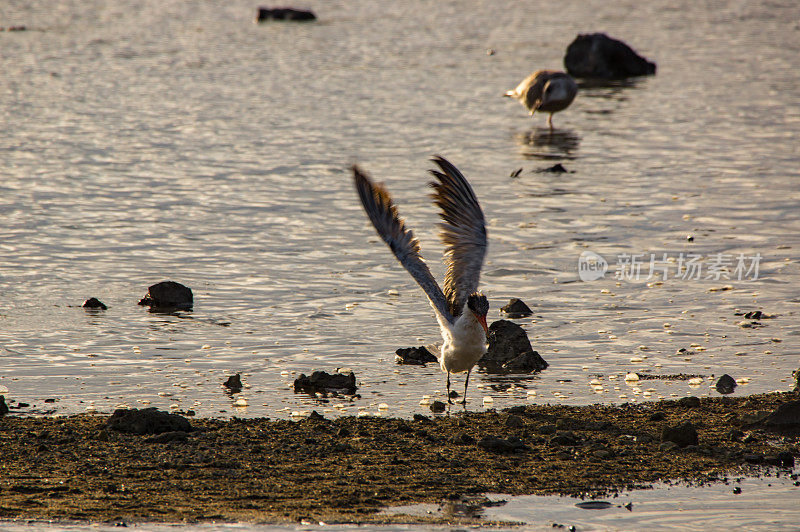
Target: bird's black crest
[[478, 304]]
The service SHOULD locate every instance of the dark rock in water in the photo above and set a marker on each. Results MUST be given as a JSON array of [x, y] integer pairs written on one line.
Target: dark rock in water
[[3, 406], [785, 419], [726, 384], [557, 168], [234, 383], [166, 437], [499, 445], [285, 13], [454, 394], [682, 435], [168, 295], [94, 303], [438, 407], [516, 308], [756, 315], [322, 382], [147, 421], [510, 350], [597, 55], [316, 416], [414, 356]]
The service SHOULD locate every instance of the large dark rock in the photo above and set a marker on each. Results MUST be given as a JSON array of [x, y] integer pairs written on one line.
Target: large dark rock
[[682, 435], [94, 303], [168, 295], [323, 382], [414, 356], [147, 421], [3, 406], [284, 13], [597, 55], [785, 419], [726, 384], [516, 308], [510, 350]]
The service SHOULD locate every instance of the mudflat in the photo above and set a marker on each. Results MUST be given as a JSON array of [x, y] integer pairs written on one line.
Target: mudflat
[[348, 469]]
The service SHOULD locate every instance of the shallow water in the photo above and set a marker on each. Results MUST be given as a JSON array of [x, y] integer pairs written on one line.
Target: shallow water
[[146, 141]]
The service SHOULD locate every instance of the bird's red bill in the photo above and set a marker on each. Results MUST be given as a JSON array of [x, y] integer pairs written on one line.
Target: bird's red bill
[[482, 321]]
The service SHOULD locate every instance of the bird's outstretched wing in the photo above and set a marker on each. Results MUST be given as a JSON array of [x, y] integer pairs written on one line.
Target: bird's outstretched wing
[[382, 212], [463, 233]]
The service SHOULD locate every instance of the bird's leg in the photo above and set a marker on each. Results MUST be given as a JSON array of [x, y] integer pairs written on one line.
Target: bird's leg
[[448, 389], [550, 121], [466, 383]]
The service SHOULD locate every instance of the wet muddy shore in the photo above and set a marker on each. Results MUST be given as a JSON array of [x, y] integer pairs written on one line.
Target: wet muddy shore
[[348, 469]]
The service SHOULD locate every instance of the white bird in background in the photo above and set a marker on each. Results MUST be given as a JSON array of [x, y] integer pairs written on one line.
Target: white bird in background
[[549, 91], [460, 309]]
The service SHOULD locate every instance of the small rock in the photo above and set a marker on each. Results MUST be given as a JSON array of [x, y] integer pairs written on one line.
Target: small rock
[[500, 445], [516, 308], [454, 394], [557, 168], [602, 454], [420, 417], [147, 421], [416, 356], [323, 382], [682, 435], [94, 303], [597, 55], [234, 383], [565, 438], [168, 295], [438, 407], [316, 416], [668, 446], [50, 400], [166, 437], [737, 490], [726, 384], [515, 173], [510, 350], [735, 435], [756, 315], [285, 13], [463, 439], [3, 406]]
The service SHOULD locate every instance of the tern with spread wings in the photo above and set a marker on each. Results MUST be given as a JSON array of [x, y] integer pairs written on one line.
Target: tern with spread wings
[[460, 309]]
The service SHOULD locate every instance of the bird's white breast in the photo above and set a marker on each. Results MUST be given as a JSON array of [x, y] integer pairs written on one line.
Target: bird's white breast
[[464, 343]]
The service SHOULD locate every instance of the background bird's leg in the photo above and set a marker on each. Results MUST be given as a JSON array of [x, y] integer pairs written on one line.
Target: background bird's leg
[[466, 383], [448, 389], [550, 121]]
